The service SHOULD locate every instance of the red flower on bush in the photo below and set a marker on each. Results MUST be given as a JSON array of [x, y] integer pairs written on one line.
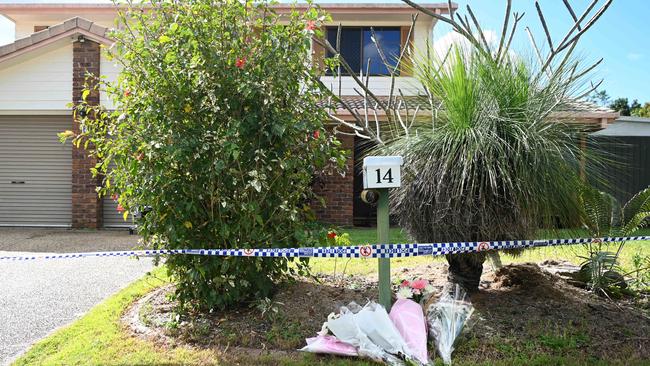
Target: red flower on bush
[[316, 134], [311, 25], [114, 197], [127, 93], [241, 62], [405, 283], [331, 235], [120, 208]]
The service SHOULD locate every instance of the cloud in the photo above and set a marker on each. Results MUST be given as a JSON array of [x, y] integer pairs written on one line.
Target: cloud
[[633, 56], [441, 45]]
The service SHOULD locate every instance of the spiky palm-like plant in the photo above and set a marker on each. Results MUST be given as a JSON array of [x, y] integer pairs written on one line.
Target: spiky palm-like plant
[[493, 165], [492, 161]]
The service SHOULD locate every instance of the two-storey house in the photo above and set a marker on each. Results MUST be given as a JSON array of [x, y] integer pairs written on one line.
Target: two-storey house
[[45, 183]]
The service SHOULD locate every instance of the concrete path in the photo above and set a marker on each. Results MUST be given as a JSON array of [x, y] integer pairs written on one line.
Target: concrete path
[[37, 297]]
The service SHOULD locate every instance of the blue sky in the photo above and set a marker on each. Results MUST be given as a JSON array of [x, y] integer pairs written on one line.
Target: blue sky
[[621, 37]]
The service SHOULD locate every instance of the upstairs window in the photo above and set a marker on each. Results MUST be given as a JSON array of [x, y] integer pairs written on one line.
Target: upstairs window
[[38, 28], [357, 47]]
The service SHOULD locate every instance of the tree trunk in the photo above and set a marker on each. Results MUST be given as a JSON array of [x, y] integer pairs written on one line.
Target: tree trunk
[[466, 270]]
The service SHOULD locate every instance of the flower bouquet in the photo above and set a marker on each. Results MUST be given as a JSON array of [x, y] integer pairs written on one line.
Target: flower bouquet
[[446, 319], [416, 290]]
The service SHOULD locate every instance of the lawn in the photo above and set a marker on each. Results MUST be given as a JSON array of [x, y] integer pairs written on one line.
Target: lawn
[[98, 338]]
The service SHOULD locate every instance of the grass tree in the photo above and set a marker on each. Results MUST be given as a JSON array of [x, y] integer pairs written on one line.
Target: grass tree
[[493, 161]]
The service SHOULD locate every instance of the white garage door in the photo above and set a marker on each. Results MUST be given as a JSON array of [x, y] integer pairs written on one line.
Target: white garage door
[[35, 171], [113, 218]]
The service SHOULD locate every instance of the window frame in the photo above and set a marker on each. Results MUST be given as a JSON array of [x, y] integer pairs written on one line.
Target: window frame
[[363, 60]]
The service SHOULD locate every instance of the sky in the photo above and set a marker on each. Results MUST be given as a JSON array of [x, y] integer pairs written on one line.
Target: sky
[[621, 37]]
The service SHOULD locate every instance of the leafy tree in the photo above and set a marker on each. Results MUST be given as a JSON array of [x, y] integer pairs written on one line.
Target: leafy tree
[[621, 105], [642, 111], [218, 129], [599, 97]]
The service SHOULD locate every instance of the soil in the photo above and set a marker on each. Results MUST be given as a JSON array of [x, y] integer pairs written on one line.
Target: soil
[[519, 308]]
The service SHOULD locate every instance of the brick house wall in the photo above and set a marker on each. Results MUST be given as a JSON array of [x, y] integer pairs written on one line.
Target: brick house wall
[[337, 191], [86, 204]]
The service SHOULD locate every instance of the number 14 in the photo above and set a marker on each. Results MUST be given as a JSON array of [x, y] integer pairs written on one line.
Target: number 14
[[387, 177]]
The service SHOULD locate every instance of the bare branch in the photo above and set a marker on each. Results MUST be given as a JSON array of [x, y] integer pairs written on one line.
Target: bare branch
[[504, 30], [590, 90], [577, 22], [378, 138], [450, 9], [338, 50], [591, 22], [346, 123], [543, 21], [573, 14], [588, 69], [512, 32], [535, 48], [478, 28], [400, 58], [336, 98], [406, 106], [399, 117], [563, 44], [415, 114], [449, 20], [380, 49], [325, 43]]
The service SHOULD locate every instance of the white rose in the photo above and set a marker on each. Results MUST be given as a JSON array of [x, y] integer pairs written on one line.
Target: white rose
[[404, 293]]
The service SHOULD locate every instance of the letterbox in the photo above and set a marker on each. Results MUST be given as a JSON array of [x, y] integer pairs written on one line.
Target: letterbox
[[382, 172]]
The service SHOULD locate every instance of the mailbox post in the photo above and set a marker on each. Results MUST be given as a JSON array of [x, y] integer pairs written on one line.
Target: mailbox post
[[382, 173]]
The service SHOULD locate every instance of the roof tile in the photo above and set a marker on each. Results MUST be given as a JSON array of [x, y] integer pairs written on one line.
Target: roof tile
[[56, 29], [98, 29], [53, 31], [70, 24], [40, 36], [7, 49], [84, 23], [23, 42]]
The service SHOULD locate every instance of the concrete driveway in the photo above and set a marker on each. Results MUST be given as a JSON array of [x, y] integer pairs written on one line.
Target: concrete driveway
[[37, 297]]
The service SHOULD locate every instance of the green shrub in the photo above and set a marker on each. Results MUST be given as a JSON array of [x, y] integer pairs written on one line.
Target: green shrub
[[218, 128]]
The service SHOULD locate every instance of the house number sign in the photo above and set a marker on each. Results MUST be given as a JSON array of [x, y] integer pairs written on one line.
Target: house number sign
[[382, 172]]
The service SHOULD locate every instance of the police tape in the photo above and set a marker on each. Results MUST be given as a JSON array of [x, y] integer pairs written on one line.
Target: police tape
[[357, 251]]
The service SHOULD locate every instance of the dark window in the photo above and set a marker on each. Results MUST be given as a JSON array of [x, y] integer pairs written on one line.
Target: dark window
[[357, 47]]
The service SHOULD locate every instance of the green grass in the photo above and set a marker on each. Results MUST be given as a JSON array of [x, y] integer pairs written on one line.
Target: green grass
[[98, 338]]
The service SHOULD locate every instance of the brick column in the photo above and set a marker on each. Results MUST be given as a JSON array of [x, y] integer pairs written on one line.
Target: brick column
[[338, 191], [86, 205]]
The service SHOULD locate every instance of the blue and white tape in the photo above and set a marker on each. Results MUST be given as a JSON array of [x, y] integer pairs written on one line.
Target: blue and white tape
[[357, 251]]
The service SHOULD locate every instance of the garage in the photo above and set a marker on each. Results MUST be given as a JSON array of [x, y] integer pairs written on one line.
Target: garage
[[112, 218], [35, 171]]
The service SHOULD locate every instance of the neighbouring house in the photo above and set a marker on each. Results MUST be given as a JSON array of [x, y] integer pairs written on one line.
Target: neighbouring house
[[626, 147], [45, 183]]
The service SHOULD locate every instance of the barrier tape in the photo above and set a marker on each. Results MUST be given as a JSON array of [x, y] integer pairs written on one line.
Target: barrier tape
[[357, 251]]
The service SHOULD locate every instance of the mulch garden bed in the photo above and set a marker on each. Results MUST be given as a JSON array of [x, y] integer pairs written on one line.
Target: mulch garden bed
[[520, 309]]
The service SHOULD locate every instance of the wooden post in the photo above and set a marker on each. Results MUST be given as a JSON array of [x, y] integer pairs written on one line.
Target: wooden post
[[383, 227]]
